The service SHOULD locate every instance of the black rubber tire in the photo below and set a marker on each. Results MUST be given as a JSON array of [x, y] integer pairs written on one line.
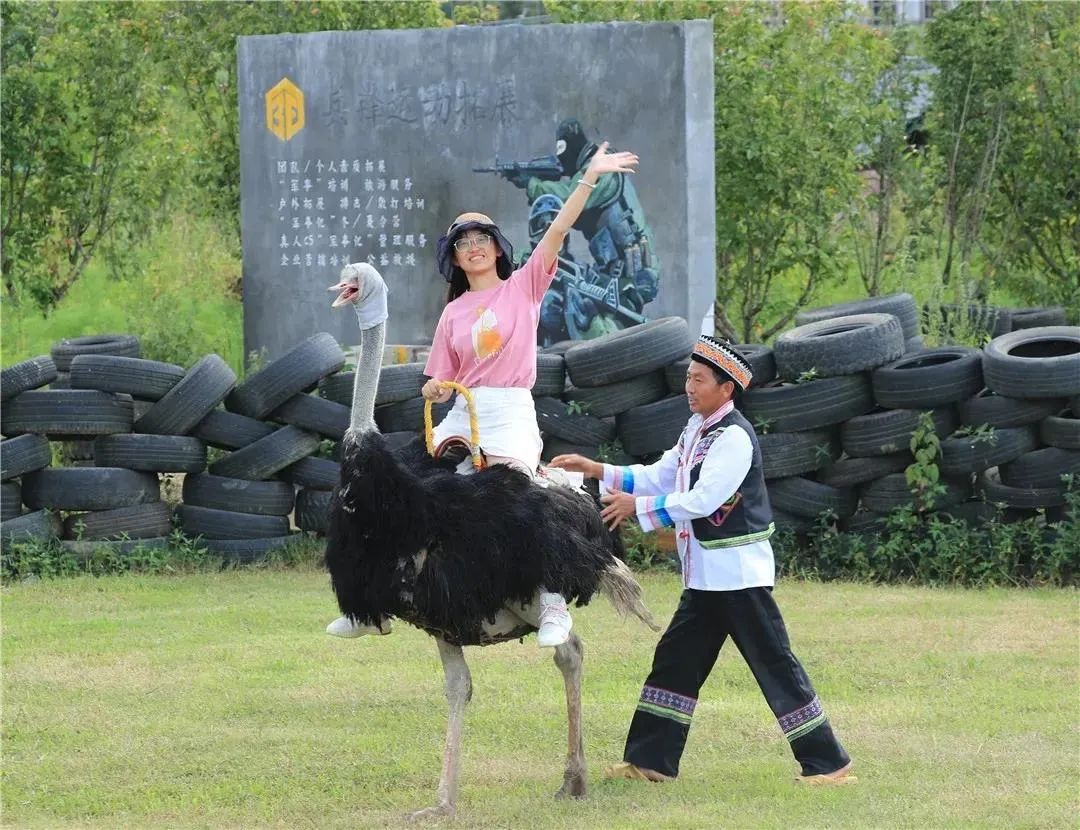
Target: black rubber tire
[[84, 551], [550, 375], [1074, 406], [839, 346], [145, 379], [26, 375], [229, 524], [560, 348], [794, 407], [556, 446], [786, 454], [1041, 468], [914, 344], [675, 376], [67, 413], [961, 455], [269, 455], [622, 396], [300, 369], [338, 387], [1034, 318], [313, 510], [246, 551], [408, 416], [10, 500], [398, 383], [314, 414], [89, 488], [792, 523], [316, 473], [892, 491], [654, 427], [865, 522], [140, 521], [988, 409], [1034, 363], [890, 431], [229, 431], [40, 525], [262, 498], [805, 497], [121, 345], [1022, 498], [180, 409], [1061, 432], [62, 381], [929, 378], [902, 306], [553, 418], [850, 472], [152, 453], [628, 353], [23, 455]]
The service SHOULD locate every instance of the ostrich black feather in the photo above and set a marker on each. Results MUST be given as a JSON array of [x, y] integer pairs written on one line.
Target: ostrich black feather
[[409, 538]]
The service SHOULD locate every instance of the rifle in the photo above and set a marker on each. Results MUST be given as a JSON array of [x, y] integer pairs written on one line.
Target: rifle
[[547, 168], [585, 281]]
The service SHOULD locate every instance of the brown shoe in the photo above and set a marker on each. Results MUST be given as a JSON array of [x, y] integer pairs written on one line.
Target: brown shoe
[[626, 770], [843, 775]]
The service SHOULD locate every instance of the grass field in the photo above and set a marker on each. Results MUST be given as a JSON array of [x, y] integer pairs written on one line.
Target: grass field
[[214, 700]]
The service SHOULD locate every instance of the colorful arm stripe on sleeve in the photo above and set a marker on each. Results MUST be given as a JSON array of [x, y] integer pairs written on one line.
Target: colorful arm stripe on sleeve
[[652, 514], [619, 478]]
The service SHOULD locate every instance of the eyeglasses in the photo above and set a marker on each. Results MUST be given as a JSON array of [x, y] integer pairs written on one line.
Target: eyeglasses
[[465, 243]]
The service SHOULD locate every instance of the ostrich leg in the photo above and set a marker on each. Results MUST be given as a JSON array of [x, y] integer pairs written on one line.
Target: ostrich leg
[[458, 694], [568, 659]]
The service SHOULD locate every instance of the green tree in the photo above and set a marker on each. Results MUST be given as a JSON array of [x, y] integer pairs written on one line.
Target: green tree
[[793, 103], [1006, 124], [83, 157]]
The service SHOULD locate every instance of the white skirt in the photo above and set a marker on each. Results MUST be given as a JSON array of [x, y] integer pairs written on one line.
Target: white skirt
[[507, 421]]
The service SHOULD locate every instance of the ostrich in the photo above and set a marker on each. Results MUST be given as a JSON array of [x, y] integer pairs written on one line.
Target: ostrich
[[461, 557]]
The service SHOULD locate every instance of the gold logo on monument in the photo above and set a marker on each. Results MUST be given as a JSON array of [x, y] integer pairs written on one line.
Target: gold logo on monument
[[285, 109]]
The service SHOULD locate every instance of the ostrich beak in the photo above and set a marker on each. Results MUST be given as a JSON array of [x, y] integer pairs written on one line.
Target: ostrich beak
[[348, 290]]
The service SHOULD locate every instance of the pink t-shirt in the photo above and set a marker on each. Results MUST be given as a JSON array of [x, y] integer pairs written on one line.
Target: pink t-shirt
[[488, 338]]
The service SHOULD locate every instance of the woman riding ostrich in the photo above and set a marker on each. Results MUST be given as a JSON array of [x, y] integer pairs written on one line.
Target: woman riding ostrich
[[485, 557]]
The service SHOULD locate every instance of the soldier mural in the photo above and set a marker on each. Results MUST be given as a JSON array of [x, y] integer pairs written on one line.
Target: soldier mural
[[351, 150], [609, 293]]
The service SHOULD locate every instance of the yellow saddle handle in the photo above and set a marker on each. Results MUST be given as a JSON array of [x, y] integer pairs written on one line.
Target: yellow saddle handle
[[474, 423]]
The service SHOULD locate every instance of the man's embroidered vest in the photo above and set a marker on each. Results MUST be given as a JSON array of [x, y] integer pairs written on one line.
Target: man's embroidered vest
[[745, 517]]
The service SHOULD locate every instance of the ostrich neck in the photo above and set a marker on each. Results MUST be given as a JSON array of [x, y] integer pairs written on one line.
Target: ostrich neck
[[366, 383]]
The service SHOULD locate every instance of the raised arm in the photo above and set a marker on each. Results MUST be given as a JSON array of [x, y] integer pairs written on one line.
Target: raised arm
[[602, 162]]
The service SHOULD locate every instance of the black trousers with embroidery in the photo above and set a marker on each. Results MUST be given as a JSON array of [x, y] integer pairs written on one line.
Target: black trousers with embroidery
[[684, 658]]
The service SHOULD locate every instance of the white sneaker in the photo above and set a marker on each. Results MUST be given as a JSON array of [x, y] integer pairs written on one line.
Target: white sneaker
[[555, 622], [344, 627]]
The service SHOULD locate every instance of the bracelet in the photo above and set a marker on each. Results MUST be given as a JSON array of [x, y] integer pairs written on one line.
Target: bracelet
[[590, 186]]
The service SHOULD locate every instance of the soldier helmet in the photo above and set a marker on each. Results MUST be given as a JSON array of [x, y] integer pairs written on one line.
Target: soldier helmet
[[542, 213], [444, 255]]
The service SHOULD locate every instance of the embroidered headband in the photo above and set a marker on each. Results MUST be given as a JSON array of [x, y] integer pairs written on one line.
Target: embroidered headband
[[723, 356]]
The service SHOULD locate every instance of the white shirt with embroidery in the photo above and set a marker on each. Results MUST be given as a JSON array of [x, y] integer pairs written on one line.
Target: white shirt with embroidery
[[665, 499]]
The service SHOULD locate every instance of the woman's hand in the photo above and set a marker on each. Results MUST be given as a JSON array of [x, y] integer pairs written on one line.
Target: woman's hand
[[604, 162], [618, 506], [578, 464], [434, 391]]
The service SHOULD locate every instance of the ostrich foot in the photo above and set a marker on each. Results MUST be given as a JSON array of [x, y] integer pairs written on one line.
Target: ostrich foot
[[444, 810], [574, 786]]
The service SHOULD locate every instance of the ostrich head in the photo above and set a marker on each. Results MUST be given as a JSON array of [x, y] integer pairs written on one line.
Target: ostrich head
[[364, 287]]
